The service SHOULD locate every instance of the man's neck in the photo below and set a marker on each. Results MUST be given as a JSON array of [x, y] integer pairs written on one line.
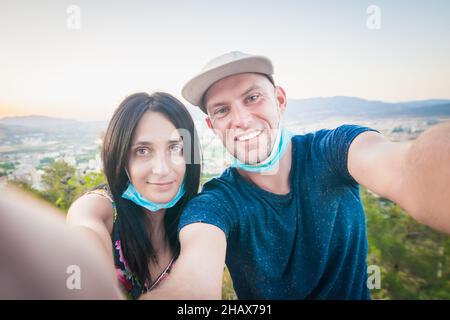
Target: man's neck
[[276, 180]]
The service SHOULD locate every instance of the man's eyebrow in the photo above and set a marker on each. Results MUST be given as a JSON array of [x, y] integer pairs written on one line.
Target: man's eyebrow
[[254, 87]]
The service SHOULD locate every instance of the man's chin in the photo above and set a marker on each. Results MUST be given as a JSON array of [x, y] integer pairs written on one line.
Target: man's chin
[[251, 159]]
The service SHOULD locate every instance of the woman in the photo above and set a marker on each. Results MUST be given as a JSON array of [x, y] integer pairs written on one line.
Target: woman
[[149, 157]]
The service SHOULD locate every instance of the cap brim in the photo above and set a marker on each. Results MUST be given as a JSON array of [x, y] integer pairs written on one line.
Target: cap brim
[[194, 90]]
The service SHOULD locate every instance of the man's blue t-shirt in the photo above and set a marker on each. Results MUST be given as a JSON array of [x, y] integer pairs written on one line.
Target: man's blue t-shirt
[[308, 244]]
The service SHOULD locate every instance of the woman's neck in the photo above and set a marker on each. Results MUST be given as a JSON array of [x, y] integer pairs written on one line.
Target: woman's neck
[[156, 219], [157, 229]]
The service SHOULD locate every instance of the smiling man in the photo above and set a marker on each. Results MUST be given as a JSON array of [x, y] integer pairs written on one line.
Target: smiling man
[[287, 217]]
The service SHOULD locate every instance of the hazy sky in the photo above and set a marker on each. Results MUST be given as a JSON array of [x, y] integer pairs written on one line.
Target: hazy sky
[[319, 48]]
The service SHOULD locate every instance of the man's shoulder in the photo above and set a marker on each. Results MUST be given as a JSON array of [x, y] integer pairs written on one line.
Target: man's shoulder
[[215, 204], [219, 179], [218, 188], [315, 137]]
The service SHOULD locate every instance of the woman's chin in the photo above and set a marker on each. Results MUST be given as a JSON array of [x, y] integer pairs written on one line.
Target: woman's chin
[[156, 197]]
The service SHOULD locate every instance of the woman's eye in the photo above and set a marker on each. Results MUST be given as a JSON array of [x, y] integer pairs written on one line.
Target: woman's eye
[[176, 148], [142, 151]]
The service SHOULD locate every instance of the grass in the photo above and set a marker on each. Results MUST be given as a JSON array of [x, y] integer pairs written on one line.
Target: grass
[[228, 292]]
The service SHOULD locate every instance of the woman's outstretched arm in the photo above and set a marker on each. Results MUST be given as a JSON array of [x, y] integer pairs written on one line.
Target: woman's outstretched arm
[[43, 258]]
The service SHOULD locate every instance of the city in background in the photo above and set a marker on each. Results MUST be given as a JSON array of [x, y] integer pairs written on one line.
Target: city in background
[[29, 144]]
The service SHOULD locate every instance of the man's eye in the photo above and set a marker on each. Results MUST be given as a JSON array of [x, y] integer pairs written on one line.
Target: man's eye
[[253, 98], [220, 111]]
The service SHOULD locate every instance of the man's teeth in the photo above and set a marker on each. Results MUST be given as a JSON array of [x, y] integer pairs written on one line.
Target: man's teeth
[[249, 136]]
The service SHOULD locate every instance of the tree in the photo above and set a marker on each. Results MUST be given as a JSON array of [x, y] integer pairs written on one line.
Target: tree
[[91, 180], [412, 257], [61, 186]]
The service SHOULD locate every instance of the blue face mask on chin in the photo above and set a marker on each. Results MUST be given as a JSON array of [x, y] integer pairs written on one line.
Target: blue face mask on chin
[[278, 150], [133, 195]]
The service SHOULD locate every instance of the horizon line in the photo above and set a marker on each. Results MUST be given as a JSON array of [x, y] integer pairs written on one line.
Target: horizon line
[[192, 106]]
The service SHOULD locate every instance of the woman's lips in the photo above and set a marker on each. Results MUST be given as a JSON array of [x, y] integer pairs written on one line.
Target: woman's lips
[[162, 186], [161, 183]]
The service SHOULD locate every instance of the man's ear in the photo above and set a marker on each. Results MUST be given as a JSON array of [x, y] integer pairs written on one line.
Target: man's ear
[[208, 122], [281, 98]]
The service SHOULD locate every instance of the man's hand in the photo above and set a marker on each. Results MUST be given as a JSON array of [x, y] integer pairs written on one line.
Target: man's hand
[[415, 175]]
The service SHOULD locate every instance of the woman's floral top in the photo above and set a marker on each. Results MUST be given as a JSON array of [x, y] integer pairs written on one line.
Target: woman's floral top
[[133, 288]]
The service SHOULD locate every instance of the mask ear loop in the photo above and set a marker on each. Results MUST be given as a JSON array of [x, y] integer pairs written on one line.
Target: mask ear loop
[[128, 175]]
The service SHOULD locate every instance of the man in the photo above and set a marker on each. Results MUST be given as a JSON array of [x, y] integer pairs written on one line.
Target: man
[[287, 216]]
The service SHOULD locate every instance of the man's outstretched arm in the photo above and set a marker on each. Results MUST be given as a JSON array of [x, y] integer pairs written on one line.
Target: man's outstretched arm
[[198, 271], [415, 175]]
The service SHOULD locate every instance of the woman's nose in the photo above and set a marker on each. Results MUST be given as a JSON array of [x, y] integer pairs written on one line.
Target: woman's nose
[[160, 165]]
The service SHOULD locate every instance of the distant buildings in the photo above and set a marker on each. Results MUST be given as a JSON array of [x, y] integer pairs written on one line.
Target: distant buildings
[[29, 174], [29, 167], [24, 157]]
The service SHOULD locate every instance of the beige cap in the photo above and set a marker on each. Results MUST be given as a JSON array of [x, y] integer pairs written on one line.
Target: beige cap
[[228, 64]]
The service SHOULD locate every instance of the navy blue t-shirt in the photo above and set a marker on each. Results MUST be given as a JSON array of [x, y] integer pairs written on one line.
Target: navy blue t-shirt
[[308, 244]]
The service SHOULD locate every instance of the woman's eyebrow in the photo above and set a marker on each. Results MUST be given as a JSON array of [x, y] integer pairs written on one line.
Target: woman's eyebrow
[[175, 140], [142, 143], [148, 143]]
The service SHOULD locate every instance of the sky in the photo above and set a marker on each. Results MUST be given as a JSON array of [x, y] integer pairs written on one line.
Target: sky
[[50, 67]]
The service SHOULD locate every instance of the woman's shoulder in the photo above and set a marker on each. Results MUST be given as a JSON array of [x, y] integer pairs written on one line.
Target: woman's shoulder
[[95, 204], [102, 191]]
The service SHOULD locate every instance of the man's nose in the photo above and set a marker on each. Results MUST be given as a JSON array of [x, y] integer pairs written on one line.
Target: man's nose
[[240, 117]]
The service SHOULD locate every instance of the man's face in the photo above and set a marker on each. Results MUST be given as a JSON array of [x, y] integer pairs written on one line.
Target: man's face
[[244, 111]]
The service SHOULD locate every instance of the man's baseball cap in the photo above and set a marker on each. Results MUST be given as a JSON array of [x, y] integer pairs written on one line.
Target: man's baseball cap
[[228, 64]]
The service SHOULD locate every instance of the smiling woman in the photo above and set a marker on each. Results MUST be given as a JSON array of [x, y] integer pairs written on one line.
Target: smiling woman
[[149, 154]]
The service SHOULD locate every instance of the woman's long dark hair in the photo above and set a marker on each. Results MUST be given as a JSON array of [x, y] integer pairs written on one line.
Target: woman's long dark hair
[[132, 220]]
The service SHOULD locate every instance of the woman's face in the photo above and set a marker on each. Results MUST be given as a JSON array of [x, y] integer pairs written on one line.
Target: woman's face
[[155, 161]]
